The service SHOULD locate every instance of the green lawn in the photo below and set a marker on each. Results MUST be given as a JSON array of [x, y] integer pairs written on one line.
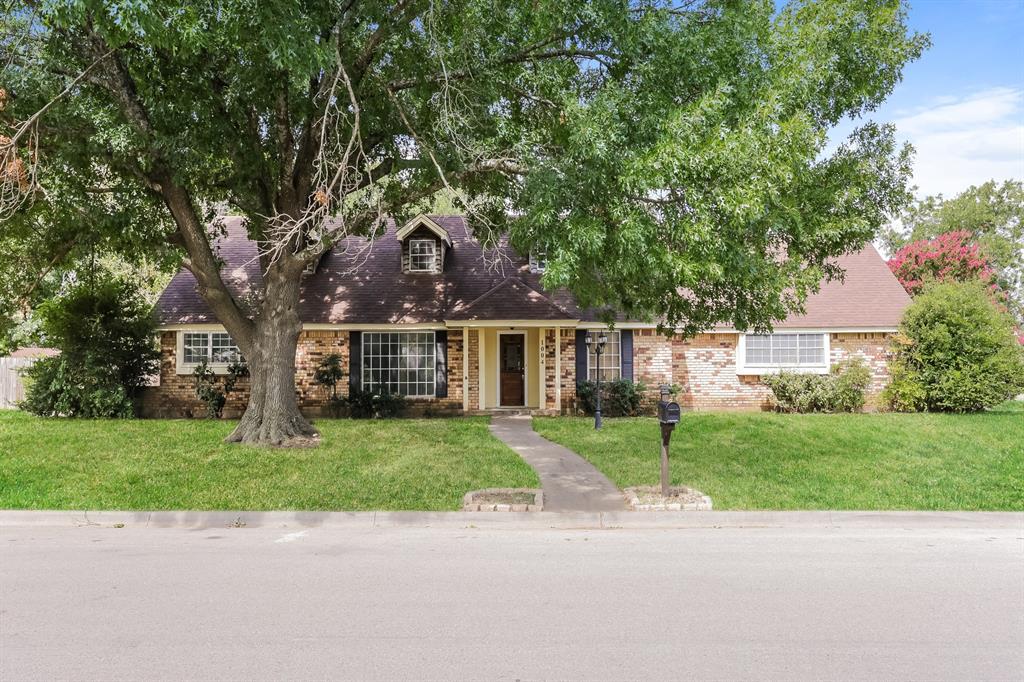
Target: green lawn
[[819, 461], [424, 464]]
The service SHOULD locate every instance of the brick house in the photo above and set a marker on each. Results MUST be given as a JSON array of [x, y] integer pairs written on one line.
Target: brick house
[[423, 310]]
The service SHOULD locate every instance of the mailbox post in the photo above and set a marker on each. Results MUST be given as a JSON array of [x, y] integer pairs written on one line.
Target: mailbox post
[[668, 416]]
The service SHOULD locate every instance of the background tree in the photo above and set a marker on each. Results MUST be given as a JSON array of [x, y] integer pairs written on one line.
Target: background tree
[[645, 146], [992, 214]]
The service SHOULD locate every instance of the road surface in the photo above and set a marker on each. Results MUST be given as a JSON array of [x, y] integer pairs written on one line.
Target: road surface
[[730, 603]]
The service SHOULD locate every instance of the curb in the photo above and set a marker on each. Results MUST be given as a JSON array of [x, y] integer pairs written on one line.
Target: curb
[[513, 520]]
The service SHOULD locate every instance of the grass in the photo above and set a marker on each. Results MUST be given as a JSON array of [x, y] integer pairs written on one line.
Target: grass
[[819, 461], [421, 464]]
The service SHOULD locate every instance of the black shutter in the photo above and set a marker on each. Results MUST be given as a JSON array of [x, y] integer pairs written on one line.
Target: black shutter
[[441, 364], [355, 360], [626, 353], [581, 356]]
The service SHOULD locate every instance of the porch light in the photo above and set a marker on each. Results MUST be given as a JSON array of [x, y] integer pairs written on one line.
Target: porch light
[[597, 341]]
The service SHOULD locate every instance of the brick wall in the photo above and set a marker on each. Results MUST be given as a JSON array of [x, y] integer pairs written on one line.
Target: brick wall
[[872, 348], [473, 353], [704, 368]]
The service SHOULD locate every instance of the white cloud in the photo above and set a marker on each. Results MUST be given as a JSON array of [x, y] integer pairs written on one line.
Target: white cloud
[[967, 140]]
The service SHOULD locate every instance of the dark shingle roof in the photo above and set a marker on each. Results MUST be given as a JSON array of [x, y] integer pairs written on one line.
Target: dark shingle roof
[[361, 282]]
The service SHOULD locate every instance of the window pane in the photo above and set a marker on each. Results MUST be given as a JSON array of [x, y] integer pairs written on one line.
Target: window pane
[[197, 347], [223, 348], [784, 349], [611, 359], [768, 350], [401, 362], [759, 350], [421, 255]]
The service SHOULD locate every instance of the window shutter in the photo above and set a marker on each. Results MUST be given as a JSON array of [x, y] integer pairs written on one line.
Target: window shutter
[[626, 353], [441, 364], [355, 360], [581, 356]]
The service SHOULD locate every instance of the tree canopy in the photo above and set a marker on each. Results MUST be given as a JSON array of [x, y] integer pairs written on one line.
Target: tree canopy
[[992, 214], [649, 148]]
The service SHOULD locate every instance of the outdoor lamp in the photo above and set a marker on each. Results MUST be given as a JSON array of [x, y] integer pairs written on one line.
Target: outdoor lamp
[[597, 341]]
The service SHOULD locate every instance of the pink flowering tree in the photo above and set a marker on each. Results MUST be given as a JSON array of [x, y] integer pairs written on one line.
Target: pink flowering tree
[[949, 257]]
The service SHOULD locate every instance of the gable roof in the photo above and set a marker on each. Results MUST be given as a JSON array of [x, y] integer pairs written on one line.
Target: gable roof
[[360, 282], [423, 221]]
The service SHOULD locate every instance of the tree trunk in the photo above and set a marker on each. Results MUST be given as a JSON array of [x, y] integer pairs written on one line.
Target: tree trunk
[[272, 416]]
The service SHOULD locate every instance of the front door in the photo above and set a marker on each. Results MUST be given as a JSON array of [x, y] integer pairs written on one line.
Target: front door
[[512, 367]]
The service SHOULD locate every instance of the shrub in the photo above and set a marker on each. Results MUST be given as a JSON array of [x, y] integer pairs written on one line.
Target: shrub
[[956, 352], [371, 402], [619, 398], [212, 395], [329, 374], [842, 390], [104, 331]]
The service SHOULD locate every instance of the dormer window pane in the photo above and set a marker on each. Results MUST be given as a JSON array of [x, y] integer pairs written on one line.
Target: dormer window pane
[[538, 261], [422, 255]]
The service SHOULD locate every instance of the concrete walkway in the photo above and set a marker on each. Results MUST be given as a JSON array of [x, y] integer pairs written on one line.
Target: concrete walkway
[[570, 483]]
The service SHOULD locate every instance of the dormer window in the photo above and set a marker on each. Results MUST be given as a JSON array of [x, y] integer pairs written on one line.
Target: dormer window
[[538, 261], [422, 255]]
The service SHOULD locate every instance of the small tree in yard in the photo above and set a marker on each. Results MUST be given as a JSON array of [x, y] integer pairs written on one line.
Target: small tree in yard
[[329, 374], [949, 257], [646, 147], [104, 331], [956, 352]]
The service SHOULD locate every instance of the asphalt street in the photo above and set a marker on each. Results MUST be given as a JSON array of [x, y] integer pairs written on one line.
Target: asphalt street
[[129, 603]]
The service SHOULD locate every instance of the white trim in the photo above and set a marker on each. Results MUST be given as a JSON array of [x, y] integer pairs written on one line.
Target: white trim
[[432, 267], [511, 324], [542, 367], [742, 369], [610, 331], [465, 369], [526, 368], [814, 330], [558, 369], [480, 373], [421, 219]]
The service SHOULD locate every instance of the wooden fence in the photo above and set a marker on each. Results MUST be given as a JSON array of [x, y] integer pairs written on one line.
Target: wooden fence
[[11, 387]]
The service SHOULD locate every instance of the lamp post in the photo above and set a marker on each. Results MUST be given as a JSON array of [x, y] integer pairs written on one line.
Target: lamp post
[[597, 341]]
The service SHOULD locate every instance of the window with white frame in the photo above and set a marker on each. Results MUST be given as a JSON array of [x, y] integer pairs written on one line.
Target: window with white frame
[[538, 261], [401, 362], [215, 348], [785, 350], [422, 254], [611, 358]]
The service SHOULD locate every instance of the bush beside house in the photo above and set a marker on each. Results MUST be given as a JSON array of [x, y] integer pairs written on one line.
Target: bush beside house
[[842, 390], [104, 331], [956, 352]]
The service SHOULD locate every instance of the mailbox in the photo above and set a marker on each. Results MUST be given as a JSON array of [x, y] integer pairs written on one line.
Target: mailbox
[[668, 412]]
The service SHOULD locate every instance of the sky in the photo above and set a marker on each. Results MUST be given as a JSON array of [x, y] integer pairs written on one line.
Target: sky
[[961, 105]]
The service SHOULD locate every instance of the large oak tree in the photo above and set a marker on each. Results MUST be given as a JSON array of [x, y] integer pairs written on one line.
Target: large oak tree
[[649, 147]]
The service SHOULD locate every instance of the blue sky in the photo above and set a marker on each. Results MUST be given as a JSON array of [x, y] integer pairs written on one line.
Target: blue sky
[[962, 104]]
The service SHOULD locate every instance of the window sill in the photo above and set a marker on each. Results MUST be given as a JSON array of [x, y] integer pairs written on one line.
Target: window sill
[[189, 368], [776, 369]]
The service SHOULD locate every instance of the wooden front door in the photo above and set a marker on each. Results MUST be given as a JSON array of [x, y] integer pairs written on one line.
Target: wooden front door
[[512, 368]]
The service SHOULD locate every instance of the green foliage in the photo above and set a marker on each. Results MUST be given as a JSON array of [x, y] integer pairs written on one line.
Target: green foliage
[[619, 398], [104, 331], [992, 213], [842, 390], [215, 396], [956, 352], [375, 402], [645, 147], [328, 373]]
